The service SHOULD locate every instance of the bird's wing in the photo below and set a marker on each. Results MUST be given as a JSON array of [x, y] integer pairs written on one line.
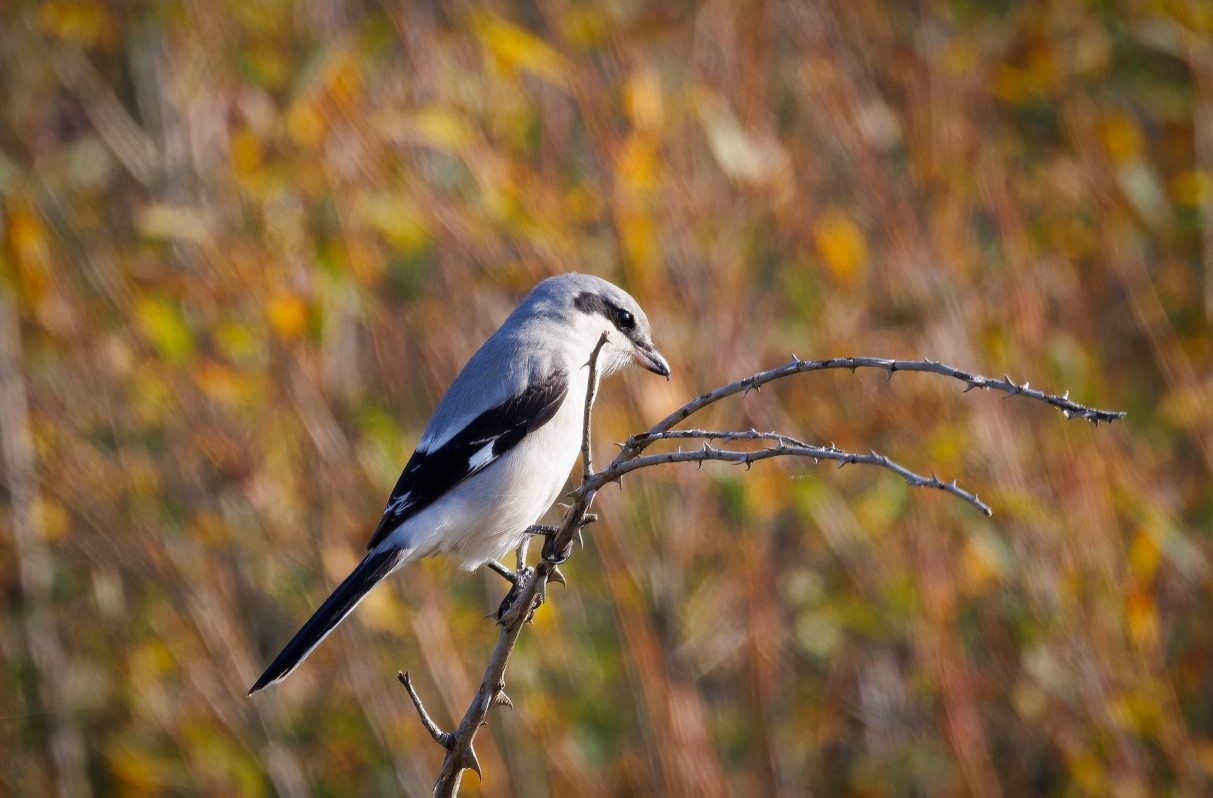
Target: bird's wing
[[429, 474]]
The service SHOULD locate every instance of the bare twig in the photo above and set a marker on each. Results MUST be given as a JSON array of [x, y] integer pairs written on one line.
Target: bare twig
[[785, 447], [797, 366], [587, 462], [440, 737], [531, 584]]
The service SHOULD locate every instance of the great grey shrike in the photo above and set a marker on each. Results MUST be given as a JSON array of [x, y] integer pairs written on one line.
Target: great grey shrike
[[500, 445]]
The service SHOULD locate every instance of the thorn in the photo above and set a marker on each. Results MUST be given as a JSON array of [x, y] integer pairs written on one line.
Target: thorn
[[500, 699], [468, 761], [556, 576], [1065, 397]]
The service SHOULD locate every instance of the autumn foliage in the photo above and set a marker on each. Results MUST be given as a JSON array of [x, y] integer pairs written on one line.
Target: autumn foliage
[[245, 246]]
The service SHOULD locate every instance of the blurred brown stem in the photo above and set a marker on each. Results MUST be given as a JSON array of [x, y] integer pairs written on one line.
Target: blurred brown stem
[[35, 570]]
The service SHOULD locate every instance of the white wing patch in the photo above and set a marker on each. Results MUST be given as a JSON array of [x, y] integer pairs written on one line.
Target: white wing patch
[[399, 505], [481, 457]]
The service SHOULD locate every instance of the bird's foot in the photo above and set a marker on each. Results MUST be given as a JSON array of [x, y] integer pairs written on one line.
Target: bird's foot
[[550, 533], [520, 579], [502, 571]]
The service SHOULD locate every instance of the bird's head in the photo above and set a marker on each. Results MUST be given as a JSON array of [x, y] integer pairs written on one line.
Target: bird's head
[[595, 306]]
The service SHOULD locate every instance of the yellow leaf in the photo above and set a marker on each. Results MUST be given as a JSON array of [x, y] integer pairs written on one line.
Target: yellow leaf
[[765, 493], [305, 124], [245, 152], [959, 57], [1192, 187], [636, 235], [288, 315], [343, 79], [1144, 555], [517, 48], [51, 516], [236, 341], [83, 23], [585, 26], [163, 324], [982, 564], [441, 129], [841, 245], [1121, 138], [645, 103], [1012, 84], [31, 246], [1136, 712], [1141, 615], [219, 381], [637, 166]]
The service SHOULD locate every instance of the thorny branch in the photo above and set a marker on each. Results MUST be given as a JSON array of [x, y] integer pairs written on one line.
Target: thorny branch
[[530, 584]]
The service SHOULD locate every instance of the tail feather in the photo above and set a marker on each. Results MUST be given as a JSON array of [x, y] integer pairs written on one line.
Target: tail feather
[[373, 568]]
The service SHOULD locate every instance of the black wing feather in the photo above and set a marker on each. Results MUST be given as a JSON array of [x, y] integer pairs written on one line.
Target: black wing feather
[[429, 475]]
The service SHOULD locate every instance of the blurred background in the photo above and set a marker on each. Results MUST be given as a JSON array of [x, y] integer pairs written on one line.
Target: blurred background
[[247, 245]]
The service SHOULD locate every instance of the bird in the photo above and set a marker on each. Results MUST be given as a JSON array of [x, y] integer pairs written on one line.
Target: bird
[[499, 447]]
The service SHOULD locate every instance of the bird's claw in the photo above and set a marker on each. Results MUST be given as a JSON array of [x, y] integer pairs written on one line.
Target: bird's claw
[[522, 578]]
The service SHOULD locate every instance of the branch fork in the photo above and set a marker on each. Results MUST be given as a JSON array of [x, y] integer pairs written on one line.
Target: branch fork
[[529, 584]]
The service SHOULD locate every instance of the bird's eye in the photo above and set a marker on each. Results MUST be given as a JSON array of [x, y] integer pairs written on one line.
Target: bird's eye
[[624, 320]]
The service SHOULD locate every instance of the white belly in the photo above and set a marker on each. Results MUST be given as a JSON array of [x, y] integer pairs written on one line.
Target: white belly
[[483, 518]]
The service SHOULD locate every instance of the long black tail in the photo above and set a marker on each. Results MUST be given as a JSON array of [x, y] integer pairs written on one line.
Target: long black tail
[[374, 567]]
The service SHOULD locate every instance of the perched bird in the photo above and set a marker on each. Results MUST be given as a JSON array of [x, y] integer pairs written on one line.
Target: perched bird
[[500, 445]]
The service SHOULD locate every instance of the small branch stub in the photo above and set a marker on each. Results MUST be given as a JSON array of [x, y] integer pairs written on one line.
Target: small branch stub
[[445, 739]]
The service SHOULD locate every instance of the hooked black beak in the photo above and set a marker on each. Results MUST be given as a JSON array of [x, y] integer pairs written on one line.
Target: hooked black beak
[[648, 357]]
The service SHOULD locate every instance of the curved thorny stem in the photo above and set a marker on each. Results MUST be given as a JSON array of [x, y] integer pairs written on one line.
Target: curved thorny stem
[[529, 585]]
